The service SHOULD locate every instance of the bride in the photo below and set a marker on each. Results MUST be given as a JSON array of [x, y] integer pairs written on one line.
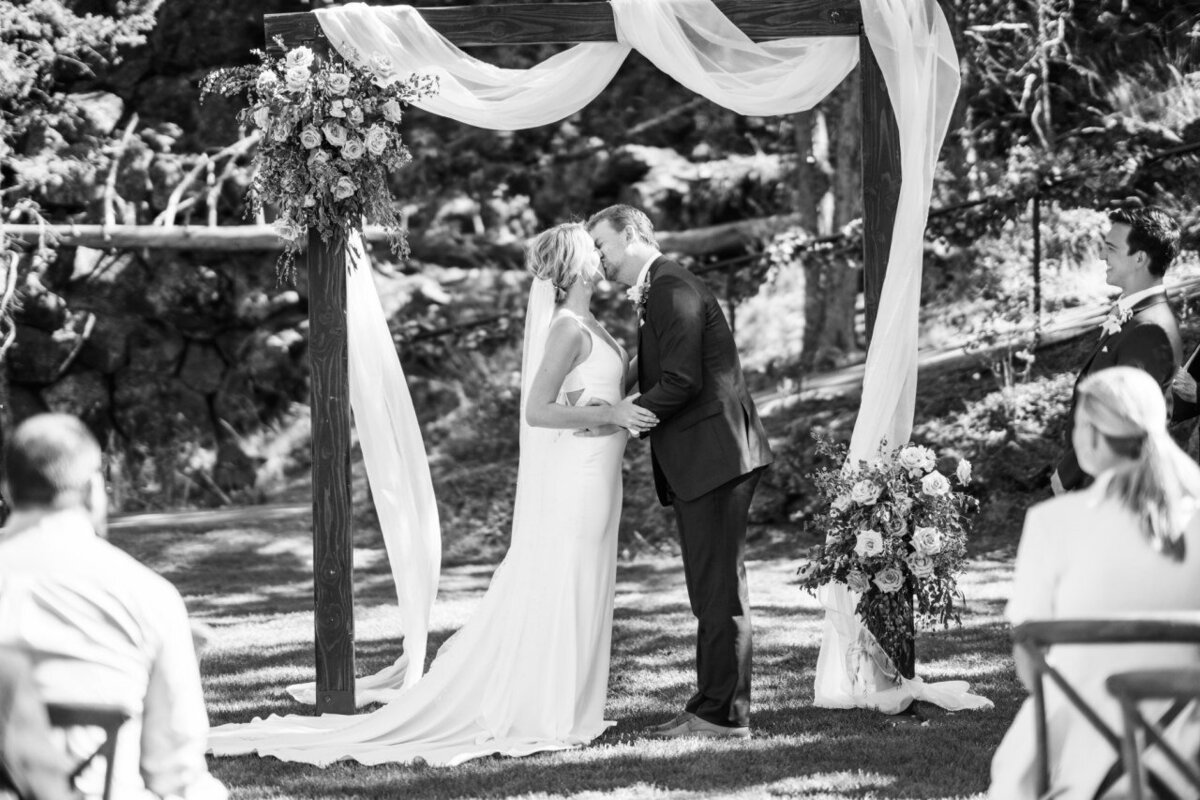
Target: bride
[[529, 671]]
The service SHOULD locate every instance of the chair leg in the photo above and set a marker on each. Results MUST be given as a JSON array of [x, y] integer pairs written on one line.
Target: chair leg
[[1041, 737], [1131, 748]]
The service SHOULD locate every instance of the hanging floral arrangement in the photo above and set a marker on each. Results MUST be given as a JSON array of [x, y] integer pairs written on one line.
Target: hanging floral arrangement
[[330, 136]]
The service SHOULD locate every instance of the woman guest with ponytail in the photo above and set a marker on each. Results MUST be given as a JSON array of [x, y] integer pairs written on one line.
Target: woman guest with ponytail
[[1127, 545]]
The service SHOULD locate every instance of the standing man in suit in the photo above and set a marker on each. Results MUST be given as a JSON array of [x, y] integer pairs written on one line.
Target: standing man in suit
[[1141, 329], [708, 453]]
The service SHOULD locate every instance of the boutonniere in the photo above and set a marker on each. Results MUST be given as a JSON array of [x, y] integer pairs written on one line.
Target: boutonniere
[[637, 295], [1115, 320]]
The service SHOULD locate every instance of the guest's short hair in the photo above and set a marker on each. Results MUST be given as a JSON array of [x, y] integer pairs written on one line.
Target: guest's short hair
[[1151, 231], [50, 461], [621, 217]]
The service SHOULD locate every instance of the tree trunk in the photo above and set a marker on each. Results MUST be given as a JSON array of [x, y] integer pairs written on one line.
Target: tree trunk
[[831, 285]]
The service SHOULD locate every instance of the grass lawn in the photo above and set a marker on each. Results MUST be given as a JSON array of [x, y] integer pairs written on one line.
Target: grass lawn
[[251, 580]]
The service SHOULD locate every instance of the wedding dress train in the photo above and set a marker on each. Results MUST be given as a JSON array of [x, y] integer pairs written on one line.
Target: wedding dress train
[[529, 670]]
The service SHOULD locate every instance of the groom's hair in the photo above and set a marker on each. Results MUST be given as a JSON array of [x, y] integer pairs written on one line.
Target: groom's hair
[[621, 217], [1151, 231]]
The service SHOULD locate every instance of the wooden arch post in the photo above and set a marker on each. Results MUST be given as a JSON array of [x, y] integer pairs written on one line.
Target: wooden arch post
[[529, 23]]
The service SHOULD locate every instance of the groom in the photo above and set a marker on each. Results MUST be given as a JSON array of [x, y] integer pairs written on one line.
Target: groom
[[708, 452]]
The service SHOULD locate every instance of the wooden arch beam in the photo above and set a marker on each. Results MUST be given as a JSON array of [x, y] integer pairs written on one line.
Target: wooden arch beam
[[508, 24]]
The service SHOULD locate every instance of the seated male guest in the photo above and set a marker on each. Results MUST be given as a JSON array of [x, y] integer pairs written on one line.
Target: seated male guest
[[1141, 330], [98, 626]]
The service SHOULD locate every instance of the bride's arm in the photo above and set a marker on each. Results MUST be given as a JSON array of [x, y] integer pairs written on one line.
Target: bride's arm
[[565, 347]]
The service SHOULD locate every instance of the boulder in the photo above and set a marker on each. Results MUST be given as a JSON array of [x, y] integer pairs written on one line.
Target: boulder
[[84, 394], [98, 113]]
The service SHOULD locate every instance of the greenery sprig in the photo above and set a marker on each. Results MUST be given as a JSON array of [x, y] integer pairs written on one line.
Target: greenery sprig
[[330, 135]]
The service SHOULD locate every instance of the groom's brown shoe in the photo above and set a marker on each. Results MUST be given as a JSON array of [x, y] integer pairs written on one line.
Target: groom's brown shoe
[[694, 726], [679, 719]]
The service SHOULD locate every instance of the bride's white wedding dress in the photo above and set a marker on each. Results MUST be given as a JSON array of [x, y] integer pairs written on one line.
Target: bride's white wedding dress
[[529, 670]]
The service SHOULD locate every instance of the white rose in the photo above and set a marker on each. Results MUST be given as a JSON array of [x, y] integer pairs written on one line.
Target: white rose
[[391, 111], [904, 505], [353, 150], [335, 134], [927, 540], [920, 564], [337, 109], [310, 137], [912, 460], [935, 484], [301, 57], [857, 581], [841, 503], [356, 116], [344, 188], [865, 493], [868, 543], [287, 229], [309, 201], [281, 130], [262, 117], [267, 81], [376, 140], [382, 66], [889, 580], [339, 82], [963, 472], [296, 79]]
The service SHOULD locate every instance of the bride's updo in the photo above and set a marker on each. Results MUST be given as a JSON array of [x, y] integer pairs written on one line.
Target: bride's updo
[[556, 255]]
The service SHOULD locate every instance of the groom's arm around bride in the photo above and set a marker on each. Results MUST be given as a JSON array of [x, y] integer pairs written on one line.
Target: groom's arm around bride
[[707, 453]]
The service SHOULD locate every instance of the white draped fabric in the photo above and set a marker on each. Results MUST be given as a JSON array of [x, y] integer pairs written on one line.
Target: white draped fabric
[[398, 473], [694, 43]]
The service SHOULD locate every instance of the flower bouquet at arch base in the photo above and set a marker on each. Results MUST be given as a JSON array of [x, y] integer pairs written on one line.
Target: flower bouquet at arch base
[[895, 533]]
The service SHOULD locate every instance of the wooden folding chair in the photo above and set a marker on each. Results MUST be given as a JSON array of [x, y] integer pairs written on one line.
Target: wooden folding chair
[[1035, 638], [106, 717], [1181, 686]]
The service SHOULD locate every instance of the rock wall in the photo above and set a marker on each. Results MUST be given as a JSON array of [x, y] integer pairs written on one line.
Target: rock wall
[[171, 358]]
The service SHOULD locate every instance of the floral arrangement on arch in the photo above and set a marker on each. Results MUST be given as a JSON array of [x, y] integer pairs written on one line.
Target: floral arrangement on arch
[[330, 135], [895, 533]]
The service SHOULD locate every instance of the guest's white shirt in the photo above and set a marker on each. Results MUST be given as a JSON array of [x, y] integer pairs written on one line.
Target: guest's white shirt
[[102, 628]]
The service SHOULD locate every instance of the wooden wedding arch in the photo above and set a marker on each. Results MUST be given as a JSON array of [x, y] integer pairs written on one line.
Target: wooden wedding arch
[[509, 24]]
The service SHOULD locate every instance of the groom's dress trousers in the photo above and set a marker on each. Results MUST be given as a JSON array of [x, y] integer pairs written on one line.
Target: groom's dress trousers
[[1149, 340], [707, 451]]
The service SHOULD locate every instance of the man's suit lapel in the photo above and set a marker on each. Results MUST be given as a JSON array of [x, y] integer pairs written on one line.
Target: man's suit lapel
[[1111, 339]]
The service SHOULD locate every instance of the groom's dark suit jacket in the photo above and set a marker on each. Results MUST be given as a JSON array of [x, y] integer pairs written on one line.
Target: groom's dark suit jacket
[[1148, 340], [690, 376]]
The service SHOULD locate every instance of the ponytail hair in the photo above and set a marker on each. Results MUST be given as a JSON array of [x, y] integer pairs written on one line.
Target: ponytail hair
[[556, 255], [1155, 480]]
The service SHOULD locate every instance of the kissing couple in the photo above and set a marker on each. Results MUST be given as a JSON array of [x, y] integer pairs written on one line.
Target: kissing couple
[[529, 670]]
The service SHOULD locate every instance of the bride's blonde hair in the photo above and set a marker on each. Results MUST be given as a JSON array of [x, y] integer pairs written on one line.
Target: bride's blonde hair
[[556, 255], [1155, 480]]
